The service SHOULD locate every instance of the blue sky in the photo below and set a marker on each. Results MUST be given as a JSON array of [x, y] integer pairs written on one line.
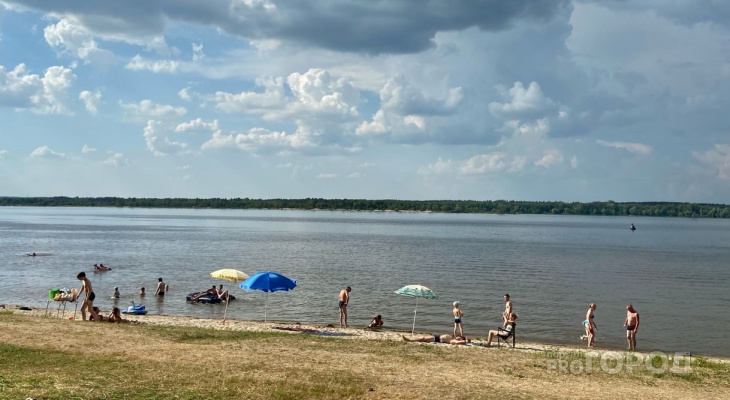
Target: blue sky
[[484, 100]]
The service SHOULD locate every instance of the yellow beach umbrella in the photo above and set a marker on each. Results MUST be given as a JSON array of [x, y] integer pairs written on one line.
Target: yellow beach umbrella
[[232, 275]]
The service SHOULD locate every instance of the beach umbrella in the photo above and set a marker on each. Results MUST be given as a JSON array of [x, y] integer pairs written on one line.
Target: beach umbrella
[[232, 275], [268, 282], [419, 292]]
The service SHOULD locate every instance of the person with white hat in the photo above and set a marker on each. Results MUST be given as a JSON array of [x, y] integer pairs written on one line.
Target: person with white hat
[[457, 319]]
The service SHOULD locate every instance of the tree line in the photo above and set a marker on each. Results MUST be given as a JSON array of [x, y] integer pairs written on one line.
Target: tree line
[[653, 209]]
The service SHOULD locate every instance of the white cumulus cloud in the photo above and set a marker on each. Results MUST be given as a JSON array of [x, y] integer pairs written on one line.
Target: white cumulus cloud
[[115, 159], [155, 135], [522, 100], [197, 125], [41, 94], [4, 153], [91, 100], [87, 149]]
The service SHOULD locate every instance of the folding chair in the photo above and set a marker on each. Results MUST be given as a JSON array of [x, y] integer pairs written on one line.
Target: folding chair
[[505, 335]]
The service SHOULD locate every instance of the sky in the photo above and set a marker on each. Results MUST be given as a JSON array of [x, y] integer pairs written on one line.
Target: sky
[[583, 100]]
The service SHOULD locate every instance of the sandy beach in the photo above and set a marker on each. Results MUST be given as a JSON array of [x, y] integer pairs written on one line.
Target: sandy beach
[[52, 357], [352, 333]]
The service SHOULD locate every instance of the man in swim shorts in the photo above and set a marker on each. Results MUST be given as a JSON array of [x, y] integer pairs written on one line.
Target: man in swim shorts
[[344, 301], [507, 310], [160, 287], [631, 323], [88, 303]]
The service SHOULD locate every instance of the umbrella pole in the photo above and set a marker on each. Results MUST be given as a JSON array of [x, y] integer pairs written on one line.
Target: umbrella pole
[[414, 318], [228, 299], [266, 306]]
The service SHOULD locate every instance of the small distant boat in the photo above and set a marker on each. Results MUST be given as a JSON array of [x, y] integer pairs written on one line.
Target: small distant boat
[[633, 228]]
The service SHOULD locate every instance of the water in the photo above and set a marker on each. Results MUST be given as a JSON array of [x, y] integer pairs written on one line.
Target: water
[[675, 271]]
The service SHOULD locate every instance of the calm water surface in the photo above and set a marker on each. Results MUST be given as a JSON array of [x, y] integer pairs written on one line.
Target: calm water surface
[[676, 272]]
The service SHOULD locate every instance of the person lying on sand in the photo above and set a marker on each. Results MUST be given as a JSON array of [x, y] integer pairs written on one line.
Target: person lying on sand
[[458, 340]]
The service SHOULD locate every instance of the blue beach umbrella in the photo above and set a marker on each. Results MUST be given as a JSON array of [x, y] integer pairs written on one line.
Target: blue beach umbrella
[[268, 282], [419, 292]]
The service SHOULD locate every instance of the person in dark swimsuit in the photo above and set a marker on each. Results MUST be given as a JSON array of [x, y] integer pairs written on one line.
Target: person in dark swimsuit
[[88, 303], [631, 323], [160, 287], [456, 340]]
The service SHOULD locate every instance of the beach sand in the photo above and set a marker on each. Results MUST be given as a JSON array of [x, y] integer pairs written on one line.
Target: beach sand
[[191, 358]]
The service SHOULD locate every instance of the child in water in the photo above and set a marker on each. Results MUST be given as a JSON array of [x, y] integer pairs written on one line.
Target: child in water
[[141, 292]]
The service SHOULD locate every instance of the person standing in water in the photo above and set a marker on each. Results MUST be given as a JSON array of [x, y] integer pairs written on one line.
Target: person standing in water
[[457, 319], [161, 287], [590, 325], [344, 301], [631, 323]]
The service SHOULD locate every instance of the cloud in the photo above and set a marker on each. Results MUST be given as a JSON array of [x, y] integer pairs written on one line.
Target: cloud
[[270, 100], [185, 94], [147, 109], [327, 176], [68, 36], [87, 149], [91, 100], [718, 159], [43, 95], [405, 109], [574, 162], [4, 153], [138, 63], [386, 27], [197, 125], [636, 148], [522, 101], [47, 152], [116, 159], [549, 158], [478, 164], [198, 52], [355, 175], [155, 135]]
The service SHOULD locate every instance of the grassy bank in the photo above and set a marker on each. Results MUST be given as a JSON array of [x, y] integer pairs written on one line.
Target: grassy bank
[[60, 359]]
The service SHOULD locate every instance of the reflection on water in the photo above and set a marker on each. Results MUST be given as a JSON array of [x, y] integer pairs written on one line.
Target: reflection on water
[[552, 266]]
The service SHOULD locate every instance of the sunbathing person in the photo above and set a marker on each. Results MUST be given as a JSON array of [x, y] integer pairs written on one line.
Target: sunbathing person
[[458, 340], [116, 316], [212, 291], [509, 325], [98, 315]]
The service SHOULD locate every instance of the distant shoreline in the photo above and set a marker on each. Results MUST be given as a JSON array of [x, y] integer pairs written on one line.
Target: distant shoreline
[[498, 207]]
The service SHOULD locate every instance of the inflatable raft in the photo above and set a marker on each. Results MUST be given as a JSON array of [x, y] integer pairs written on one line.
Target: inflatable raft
[[135, 310], [207, 298]]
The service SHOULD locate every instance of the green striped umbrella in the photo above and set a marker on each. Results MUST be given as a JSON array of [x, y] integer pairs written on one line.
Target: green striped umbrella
[[419, 292]]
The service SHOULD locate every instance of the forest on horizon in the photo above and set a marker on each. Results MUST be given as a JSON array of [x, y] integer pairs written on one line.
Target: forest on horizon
[[649, 209]]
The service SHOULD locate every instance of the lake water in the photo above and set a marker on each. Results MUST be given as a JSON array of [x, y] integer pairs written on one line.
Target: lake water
[[676, 272]]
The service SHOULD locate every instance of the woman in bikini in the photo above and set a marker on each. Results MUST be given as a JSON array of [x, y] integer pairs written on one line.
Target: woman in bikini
[[590, 325], [509, 324]]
